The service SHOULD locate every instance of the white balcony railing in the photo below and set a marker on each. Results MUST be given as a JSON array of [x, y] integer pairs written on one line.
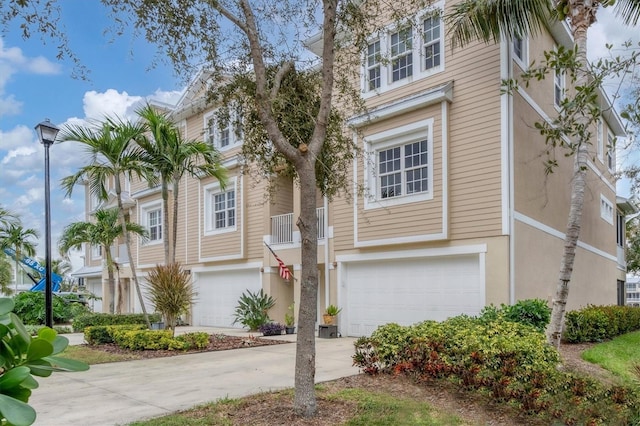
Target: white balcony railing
[[282, 227]]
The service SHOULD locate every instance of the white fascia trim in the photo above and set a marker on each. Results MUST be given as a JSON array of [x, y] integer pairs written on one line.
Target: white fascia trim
[[555, 233], [401, 106], [234, 267], [546, 118], [146, 192], [401, 240], [412, 254]]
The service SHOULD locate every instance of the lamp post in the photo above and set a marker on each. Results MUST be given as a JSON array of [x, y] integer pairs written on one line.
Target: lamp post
[[47, 133]]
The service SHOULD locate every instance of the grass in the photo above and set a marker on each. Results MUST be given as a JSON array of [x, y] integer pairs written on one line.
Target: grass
[[364, 408], [619, 356], [92, 356]]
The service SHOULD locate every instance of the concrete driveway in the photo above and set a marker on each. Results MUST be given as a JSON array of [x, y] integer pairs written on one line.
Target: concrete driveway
[[122, 392]]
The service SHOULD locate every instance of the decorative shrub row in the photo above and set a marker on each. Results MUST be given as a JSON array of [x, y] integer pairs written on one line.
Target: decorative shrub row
[[29, 307], [137, 337], [533, 312], [598, 323], [89, 320], [508, 361]]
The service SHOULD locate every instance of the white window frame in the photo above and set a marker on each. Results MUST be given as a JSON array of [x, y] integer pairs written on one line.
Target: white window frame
[[400, 136], [209, 193], [559, 88], [610, 156], [215, 135], [96, 252], [606, 210], [145, 210], [620, 229], [600, 140], [523, 59], [417, 51]]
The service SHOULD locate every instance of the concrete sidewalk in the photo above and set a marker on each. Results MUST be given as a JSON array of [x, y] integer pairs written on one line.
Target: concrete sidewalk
[[122, 392]]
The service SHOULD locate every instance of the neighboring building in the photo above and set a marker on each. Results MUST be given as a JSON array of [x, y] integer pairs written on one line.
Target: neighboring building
[[459, 212]]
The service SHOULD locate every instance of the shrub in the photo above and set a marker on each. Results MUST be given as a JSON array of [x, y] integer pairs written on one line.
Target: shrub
[[597, 323], [29, 307], [534, 312], [252, 310], [195, 340], [103, 334], [170, 291], [89, 320], [271, 329], [138, 340]]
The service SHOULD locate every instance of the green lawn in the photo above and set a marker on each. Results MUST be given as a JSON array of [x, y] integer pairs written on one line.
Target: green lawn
[[93, 356], [619, 356]]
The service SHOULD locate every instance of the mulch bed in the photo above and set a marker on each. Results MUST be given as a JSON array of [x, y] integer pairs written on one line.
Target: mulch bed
[[217, 342]]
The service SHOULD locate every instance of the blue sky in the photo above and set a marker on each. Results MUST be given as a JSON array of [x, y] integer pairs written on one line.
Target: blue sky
[[34, 85]]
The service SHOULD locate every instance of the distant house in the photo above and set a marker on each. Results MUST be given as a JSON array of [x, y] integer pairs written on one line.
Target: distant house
[[458, 211]]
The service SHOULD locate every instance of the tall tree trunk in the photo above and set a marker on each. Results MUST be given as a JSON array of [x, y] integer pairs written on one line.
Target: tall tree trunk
[[165, 222], [111, 284], [127, 243], [305, 396], [174, 228], [582, 15]]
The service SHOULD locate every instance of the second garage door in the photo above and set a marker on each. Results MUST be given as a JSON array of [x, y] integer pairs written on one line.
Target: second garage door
[[218, 294], [406, 291]]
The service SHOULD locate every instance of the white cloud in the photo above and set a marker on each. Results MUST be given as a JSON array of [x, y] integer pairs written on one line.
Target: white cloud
[[110, 103], [171, 97], [15, 137], [10, 106]]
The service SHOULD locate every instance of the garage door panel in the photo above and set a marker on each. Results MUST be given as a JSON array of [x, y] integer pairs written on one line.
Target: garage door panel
[[407, 291], [218, 294]]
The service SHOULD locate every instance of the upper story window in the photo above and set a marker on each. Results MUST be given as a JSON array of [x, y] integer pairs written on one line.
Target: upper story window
[[558, 87], [600, 140], [521, 51], [611, 152], [400, 55], [151, 219], [620, 229], [220, 208], [224, 131], [96, 252], [401, 166], [606, 209]]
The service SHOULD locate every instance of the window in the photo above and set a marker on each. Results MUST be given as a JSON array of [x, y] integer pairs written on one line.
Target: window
[[611, 153], [620, 225], [96, 252], [220, 208], [400, 169], [600, 140], [606, 209], [431, 40], [224, 131], [151, 219], [399, 55], [520, 51], [558, 87]]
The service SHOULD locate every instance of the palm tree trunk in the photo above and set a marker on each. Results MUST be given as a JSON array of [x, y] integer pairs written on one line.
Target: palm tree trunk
[[165, 222], [174, 228], [581, 19], [127, 242], [111, 284]]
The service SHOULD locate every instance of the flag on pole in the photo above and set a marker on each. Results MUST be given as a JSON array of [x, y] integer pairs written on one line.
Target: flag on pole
[[282, 268]]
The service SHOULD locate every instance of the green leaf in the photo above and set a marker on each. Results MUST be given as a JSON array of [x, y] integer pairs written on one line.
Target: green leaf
[[47, 334], [13, 377], [65, 364], [20, 393], [23, 338], [60, 343], [6, 305], [16, 412], [40, 367], [39, 348]]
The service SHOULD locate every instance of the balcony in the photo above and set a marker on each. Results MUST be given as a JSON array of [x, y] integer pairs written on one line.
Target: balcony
[[282, 227]]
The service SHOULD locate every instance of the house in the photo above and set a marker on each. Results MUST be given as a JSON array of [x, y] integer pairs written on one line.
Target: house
[[458, 212]]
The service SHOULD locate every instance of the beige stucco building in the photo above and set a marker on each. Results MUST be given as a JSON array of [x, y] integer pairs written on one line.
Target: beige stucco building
[[458, 211]]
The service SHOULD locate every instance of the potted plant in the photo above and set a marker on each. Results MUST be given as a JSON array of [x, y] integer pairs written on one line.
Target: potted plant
[[271, 329], [289, 320], [330, 313]]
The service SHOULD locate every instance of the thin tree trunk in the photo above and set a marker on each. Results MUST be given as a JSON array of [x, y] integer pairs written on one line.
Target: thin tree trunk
[[174, 228], [111, 282], [127, 242], [165, 223], [582, 15], [305, 395]]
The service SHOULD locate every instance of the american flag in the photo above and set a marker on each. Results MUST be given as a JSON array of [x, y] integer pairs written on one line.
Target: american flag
[[282, 268]]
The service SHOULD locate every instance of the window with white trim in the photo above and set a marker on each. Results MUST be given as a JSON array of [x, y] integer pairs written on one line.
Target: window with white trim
[[151, 218], [224, 131], [558, 87], [96, 252], [611, 152], [620, 229], [220, 208], [399, 55], [520, 47], [606, 209], [400, 166], [600, 140]]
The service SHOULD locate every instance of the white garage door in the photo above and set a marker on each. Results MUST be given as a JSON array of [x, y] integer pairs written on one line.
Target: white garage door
[[218, 294], [406, 291]]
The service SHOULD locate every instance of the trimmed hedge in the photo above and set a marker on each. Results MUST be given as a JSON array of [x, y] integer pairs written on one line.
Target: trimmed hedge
[[103, 334], [137, 337], [598, 323], [89, 320]]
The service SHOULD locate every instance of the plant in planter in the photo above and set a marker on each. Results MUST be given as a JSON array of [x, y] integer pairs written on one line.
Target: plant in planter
[[289, 320], [252, 310], [330, 313], [272, 329]]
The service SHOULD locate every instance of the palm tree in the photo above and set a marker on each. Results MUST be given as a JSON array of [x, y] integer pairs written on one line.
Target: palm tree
[[7, 217], [173, 157], [109, 146], [16, 237], [489, 20], [103, 232]]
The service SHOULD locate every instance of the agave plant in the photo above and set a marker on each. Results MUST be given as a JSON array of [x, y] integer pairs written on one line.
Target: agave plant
[[252, 310]]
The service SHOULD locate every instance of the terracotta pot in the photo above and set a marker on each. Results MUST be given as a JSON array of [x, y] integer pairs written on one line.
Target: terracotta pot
[[329, 319]]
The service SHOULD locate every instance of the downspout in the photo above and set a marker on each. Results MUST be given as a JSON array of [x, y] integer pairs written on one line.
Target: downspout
[[509, 165], [326, 251]]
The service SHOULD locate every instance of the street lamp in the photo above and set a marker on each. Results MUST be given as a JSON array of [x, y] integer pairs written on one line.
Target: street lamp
[[47, 133]]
